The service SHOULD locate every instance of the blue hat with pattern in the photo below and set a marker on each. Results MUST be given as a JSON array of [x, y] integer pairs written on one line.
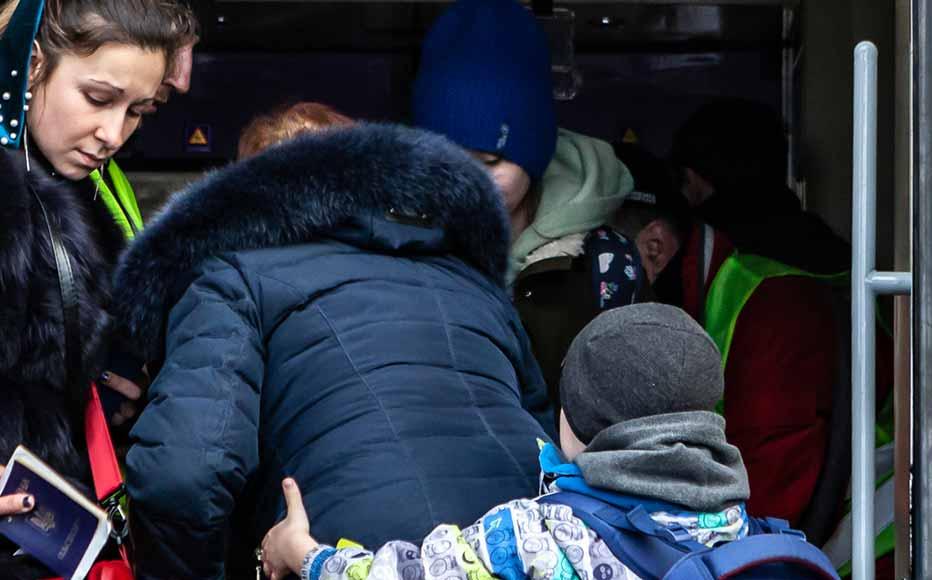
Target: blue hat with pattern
[[485, 82], [15, 52]]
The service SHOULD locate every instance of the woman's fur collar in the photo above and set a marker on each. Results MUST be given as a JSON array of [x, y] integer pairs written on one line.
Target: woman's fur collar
[[306, 189]]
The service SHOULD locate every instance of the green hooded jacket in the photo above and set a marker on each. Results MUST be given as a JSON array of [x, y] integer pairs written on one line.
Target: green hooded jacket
[[581, 189]]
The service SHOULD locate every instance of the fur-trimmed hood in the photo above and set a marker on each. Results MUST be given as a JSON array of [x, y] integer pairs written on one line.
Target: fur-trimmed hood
[[346, 184]]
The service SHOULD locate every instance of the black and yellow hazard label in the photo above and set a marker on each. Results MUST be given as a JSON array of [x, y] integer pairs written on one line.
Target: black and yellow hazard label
[[197, 137]]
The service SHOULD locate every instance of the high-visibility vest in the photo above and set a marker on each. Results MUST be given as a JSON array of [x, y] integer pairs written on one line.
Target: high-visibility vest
[[732, 287], [119, 199]]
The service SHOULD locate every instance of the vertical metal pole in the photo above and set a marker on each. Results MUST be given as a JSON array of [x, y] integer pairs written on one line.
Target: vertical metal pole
[[789, 94], [922, 295], [902, 329], [864, 230]]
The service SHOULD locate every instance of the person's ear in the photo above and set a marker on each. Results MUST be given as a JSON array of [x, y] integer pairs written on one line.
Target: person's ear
[[570, 444], [37, 63], [654, 241], [657, 243]]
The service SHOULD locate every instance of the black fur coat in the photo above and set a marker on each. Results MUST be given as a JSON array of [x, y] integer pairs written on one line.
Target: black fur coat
[[37, 408]]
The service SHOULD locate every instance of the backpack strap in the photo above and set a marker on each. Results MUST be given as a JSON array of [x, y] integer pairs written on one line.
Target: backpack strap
[[645, 547], [759, 526], [751, 555]]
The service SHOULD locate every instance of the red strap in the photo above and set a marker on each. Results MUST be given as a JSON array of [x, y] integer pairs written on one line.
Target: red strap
[[104, 467], [105, 470], [107, 570]]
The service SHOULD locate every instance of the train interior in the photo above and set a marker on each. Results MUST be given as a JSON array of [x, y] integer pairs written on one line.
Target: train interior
[[623, 71]]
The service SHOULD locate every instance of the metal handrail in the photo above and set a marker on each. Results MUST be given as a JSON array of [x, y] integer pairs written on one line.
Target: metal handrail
[[921, 411], [866, 285]]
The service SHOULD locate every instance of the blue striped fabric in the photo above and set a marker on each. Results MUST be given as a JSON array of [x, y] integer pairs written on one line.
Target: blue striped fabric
[[502, 545]]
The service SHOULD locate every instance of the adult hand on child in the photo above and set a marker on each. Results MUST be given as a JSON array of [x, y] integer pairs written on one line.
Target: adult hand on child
[[286, 544], [16, 503]]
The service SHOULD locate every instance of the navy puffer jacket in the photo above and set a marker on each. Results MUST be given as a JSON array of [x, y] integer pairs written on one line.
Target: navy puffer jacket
[[332, 310]]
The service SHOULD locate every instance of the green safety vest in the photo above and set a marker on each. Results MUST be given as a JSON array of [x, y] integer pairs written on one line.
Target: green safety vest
[[735, 282], [119, 199]]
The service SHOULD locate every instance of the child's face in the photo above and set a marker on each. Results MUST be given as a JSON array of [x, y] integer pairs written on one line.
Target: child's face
[[569, 443], [512, 181]]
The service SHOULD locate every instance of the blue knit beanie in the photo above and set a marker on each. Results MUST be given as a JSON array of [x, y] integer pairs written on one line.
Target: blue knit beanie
[[484, 82]]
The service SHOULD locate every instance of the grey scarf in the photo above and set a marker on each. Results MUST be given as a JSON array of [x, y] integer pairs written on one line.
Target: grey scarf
[[681, 458]]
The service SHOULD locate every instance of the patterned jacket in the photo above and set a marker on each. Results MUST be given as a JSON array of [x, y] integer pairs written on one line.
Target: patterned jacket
[[520, 539]]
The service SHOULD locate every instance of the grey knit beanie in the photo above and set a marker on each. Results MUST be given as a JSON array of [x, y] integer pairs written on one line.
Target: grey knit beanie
[[637, 361]]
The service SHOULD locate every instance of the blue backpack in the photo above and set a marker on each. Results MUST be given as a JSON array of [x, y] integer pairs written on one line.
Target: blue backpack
[[654, 552]]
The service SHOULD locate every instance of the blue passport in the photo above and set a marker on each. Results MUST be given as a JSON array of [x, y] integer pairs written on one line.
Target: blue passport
[[65, 530]]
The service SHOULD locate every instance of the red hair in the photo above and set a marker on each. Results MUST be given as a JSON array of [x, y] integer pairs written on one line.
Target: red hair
[[287, 123]]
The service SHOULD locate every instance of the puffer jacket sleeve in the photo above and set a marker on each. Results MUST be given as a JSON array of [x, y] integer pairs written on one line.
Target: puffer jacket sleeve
[[195, 444], [517, 540], [534, 395]]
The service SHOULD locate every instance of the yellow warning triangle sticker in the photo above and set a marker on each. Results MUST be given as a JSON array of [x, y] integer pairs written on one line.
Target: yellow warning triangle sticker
[[198, 138], [630, 137]]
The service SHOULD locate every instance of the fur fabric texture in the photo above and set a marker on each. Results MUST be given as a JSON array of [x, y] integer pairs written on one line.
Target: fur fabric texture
[[39, 408], [330, 184]]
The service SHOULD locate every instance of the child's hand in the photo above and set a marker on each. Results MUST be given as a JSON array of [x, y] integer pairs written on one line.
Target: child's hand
[[284, 547]]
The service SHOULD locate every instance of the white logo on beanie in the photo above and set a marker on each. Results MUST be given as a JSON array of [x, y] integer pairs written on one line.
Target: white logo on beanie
[[605, 260], [502, 137]]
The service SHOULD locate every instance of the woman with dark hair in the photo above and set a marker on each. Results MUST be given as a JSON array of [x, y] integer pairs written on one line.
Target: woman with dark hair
[[75, 77]]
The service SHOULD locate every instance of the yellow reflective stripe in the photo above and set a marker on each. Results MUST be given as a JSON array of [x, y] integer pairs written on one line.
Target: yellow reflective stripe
[[838, 548], [736, 280], [884, 544], [116, 212], [127, 200], [359, 569], [729, 292], [124, 190], [883, 432], [467, 559]]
